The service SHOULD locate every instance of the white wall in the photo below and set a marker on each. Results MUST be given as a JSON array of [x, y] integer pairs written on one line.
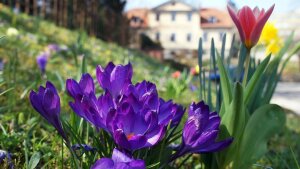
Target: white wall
[[181, 26], [217, 34]]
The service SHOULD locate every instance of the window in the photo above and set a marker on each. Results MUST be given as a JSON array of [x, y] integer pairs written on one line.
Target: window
[[205, 36], [157, 36], [212, 19], [157, 16], [173, 16], [189, 37], [221, 34], [189, 16], [173, 37]]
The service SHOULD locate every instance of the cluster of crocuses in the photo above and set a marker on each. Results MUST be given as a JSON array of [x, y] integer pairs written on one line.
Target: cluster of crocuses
[[133, 115]]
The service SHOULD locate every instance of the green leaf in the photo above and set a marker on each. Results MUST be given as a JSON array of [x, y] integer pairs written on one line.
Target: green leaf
[[34, 160], [255, 78], [225, 84], [200, 53], [83, 65], [223, 47], [262, 125], [234, 120]]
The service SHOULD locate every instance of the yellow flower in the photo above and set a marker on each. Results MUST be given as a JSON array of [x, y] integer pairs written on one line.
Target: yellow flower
[[197, 70], [269, 33], [270, 38], [274, 47]]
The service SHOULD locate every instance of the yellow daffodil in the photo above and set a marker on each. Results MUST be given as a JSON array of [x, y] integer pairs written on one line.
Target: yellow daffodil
[[274, 47], [269, 33], [270, 38]]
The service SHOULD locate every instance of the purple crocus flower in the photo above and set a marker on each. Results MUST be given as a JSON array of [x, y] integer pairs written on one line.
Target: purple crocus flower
[[136, 124], [85, 86], [42, 60], [200, 132], [54, 47], [177, 112], [134, 115], [113, 78], [85, 147], [119, 160], [169, 111], [6, 155], [86, 104], [47, 102]]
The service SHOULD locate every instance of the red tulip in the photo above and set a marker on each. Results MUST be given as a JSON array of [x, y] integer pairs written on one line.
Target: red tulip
[[250, 23], [176, 74]]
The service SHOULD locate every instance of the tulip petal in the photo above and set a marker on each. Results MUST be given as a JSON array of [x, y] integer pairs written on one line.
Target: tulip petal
[[247, 20], [255, 35], [237, 23]]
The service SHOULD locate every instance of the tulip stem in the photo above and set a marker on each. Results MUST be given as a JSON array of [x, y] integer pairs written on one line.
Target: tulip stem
[[247, 66]]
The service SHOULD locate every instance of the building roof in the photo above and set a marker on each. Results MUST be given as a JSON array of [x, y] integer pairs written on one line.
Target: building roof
[[159, 7], [138, 17], [210, 18], [215, 18]]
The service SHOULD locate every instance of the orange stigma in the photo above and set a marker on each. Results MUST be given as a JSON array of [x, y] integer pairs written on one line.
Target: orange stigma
[[129, 136]]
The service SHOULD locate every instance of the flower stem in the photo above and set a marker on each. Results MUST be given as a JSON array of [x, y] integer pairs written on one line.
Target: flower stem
[[247, 65]]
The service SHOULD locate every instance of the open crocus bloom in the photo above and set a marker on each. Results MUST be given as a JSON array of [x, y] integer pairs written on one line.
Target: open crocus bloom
[[134, 115], [250, 23]]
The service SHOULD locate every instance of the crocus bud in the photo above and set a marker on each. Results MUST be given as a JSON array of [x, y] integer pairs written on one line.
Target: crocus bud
[[200, 132], [47, 102]]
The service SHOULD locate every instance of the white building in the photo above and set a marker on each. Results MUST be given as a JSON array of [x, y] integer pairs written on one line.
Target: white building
[[178, 26]]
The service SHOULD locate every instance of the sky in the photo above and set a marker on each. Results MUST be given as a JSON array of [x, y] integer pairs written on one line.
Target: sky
[[280, 5]]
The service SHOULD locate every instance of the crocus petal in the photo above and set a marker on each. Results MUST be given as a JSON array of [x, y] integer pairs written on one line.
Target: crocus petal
[[137, 164], [73, 88], [165, 112], [216, 146], [155, 136], [255, 35], [103, 78], [36, 102], [87, 84], [236, 22], [106, 163], [118, 156], [137, 142], [206, 138], [120, 78], [121, 139], [119, 160]]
